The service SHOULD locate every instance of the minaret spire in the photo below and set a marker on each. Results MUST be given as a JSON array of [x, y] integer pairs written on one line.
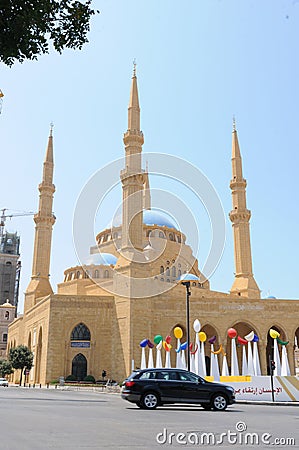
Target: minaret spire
[[132, 176], [44, 219], [244, 284]]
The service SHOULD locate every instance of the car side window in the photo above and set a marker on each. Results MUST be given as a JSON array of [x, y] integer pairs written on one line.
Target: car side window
[[162, 375], [147, 376], [185, 376], [171, 375]]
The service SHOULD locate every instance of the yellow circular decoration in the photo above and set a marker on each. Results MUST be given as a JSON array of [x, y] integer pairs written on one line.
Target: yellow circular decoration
[[274, 334], [178, 332], [202, 336]]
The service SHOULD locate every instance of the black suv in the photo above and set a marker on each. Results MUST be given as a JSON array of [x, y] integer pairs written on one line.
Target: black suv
[[150, 388]]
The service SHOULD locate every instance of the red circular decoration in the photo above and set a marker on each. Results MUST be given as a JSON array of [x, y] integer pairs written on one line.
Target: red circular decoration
[[232, 333], [242, 341], [168, 339]]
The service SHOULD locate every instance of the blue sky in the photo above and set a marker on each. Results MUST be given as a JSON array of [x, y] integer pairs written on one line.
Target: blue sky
[[198, 64]]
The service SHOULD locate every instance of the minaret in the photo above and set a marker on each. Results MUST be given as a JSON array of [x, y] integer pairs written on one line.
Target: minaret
[[39, 285], [244, 284], [132, 176]]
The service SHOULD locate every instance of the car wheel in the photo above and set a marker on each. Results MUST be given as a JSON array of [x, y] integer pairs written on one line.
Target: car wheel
[[149, 401], [206, 406], [219, 402], [139, 404]]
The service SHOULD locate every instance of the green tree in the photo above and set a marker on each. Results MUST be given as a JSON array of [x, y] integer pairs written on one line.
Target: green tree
[[5, 367], [27, 27], [21, 357]]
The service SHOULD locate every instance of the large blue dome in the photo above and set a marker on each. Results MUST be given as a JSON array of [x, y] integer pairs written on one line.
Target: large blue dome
[[105, 259], [152, 217]]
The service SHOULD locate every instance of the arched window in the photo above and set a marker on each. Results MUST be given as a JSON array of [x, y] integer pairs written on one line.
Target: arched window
[[96, 274], [80, 333], [106, 274], [161, 235], [171, 237], [173, 271], [179, 239], [78, 274], [4, 337], [6, 315], [168, 280], [167, 272], [8, 263], [179, 273], [162, 269]]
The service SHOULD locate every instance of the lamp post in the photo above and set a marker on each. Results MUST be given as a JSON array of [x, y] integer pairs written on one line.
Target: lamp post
[[185, 280]]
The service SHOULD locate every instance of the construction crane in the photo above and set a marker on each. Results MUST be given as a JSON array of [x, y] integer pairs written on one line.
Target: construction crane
[[4, 216]]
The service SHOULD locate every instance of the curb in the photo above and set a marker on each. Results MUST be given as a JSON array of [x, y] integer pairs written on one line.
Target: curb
[[265, 403]]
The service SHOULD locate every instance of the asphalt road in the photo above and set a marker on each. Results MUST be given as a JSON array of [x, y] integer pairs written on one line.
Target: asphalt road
[[39, 419]]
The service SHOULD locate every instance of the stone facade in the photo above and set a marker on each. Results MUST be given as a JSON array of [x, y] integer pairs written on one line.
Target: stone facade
[[128, 291]]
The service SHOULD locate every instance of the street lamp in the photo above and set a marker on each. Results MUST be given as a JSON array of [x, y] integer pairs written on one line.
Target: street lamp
[[185, 280]]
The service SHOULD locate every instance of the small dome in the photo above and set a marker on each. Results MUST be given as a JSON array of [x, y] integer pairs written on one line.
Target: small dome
[[271, 296], [98, 259], [154, 217]]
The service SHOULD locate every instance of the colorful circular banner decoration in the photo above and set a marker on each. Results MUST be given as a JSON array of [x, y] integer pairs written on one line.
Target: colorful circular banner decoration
[[150, 344], [232, 333], [250, 336], [202, 336], [242, 341], [216, 352], [273, 333], [143, 343], [168, 339], [196, 325], [282, 342], [212, 340], [191, 348], [178, 332], [158, 338]]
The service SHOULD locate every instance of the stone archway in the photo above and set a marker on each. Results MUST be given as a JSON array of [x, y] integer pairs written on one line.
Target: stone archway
[[210, 332], [270, 345], [79, 367], [242, 329]]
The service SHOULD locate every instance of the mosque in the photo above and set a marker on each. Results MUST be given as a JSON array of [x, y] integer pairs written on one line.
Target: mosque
[[127, 289]]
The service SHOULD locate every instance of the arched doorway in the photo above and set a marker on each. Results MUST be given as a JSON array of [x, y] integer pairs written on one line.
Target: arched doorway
[[210, 332], [242, 329], [79, 367], [270, 345]]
